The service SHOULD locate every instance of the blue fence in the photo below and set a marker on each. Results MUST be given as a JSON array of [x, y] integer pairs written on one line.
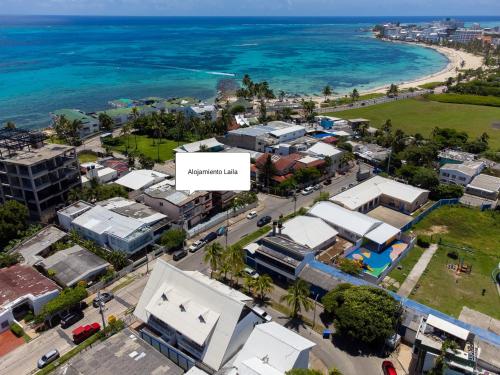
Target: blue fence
[[422, 215]]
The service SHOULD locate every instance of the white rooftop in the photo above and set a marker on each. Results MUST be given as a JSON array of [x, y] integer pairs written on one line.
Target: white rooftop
[[382, 233], [286, 130], [352, 221], [308, 231], [486, 183], [196, 146], [272, 349], [448, 327], [140, 179], [374, 187], [324, 149], [209, 312], [101, 220], [469, 168]]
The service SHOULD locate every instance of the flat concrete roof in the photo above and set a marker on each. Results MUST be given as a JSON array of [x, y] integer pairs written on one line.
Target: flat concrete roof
[[395, 218], [74, 264], [123, 353], [36, 155], [20, 280], [44, 239]]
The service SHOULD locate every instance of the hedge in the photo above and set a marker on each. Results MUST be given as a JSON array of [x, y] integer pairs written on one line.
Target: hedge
[[67, 298], [491, 101], [17, 330]]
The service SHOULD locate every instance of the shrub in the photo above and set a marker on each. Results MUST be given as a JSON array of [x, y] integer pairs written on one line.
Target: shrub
[[17, 330], [423, 241], [29, 317], [66, 299], [349, 266], [453, 254]]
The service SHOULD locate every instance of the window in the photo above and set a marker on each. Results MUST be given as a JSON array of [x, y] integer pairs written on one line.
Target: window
[[161, 204]]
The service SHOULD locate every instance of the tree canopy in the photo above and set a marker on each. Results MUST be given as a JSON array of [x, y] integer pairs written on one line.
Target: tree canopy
[[363, 313], [13, 221], [173, 238]]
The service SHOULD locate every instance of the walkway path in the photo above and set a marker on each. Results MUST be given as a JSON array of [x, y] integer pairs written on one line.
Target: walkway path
[[416, 272]]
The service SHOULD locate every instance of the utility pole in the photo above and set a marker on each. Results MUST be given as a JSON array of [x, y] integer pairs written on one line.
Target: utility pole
[[294, 203], [101, 311]]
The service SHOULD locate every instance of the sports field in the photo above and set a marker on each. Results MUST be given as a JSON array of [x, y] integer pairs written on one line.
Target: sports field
[[421, 116]]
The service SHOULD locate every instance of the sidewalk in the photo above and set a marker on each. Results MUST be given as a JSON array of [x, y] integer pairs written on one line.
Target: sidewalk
[[416, 272]]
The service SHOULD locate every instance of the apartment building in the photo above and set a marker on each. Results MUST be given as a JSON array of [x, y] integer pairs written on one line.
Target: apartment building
[[36, 174], [180, 206]]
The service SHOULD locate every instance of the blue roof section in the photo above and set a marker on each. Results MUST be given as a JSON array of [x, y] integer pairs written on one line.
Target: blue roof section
[[408, 303]]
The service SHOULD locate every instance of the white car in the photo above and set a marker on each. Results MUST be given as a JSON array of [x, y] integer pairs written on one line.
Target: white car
[[252, 215], [47, 358], [317, 187], [251, 272], [308, 190], [262, 313], [196, 246]]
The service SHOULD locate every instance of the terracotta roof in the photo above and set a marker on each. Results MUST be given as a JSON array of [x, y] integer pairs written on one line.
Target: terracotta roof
[[329, 140], [286, 162], [19, 280], [282, 178]]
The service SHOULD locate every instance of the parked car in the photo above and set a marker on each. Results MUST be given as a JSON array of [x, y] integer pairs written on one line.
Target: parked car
[[251, 272], [344, 188], [71, 318], [210, 237], [388, 368], [82, 333], [195, 246], [221, 231], [351, 185], [179, 254], [263, 221], [327, 182], [262, 313], [308, 190], [317, 187], [47, 358], [252, 215], [105, 297]]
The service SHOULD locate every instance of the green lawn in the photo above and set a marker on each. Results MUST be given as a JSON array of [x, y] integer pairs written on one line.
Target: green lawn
[[443, 289], [86, 157], [421, 116], [146, 147], [406, 265]]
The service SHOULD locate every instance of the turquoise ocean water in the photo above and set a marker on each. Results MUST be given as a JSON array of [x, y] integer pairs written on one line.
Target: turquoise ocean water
[[47, 63]]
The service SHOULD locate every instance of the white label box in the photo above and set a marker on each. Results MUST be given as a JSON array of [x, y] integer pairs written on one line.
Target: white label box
[[212, 171]]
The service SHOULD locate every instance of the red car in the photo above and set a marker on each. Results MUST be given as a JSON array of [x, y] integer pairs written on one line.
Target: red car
[[388, 368], [82, 333]]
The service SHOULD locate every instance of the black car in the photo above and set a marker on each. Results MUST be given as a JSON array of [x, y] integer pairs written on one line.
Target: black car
[[327, 182], [263, 221], [71, 318], [179, 254], [105, 297], [210, 237]]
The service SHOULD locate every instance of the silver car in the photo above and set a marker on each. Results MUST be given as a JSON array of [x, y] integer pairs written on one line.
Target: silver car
[[47, 358]]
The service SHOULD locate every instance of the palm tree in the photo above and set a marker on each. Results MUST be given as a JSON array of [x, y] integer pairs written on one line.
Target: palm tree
[[267, 170], [263, 286], [387, 127], [235, 257], [126, 131], [106, 122], [354, 95], [281, 95], [297, 297], [308, 107], [327, 91], [346, 158], [213, 256], [249, 283]]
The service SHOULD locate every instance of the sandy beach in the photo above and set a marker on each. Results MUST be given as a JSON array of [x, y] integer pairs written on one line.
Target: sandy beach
[[455, 59]]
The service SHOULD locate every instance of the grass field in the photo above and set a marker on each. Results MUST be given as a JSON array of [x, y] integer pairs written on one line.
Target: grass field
[[442, 288], [492, 101], [406, 265], [421, 116], [86, 157], [146, 147]]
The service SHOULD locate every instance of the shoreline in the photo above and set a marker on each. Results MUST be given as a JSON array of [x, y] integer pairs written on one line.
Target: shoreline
[[454, 57]]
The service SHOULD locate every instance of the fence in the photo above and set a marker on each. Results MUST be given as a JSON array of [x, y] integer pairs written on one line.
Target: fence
[[422, 215], [103, 284], [217, 219], [175, 355]]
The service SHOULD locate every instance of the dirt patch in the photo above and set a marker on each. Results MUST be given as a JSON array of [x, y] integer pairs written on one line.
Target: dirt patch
[[436, 229], [496, 125]]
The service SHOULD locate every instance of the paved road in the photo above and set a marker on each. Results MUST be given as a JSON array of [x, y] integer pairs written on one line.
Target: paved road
[[23, 360], [268, 205]]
